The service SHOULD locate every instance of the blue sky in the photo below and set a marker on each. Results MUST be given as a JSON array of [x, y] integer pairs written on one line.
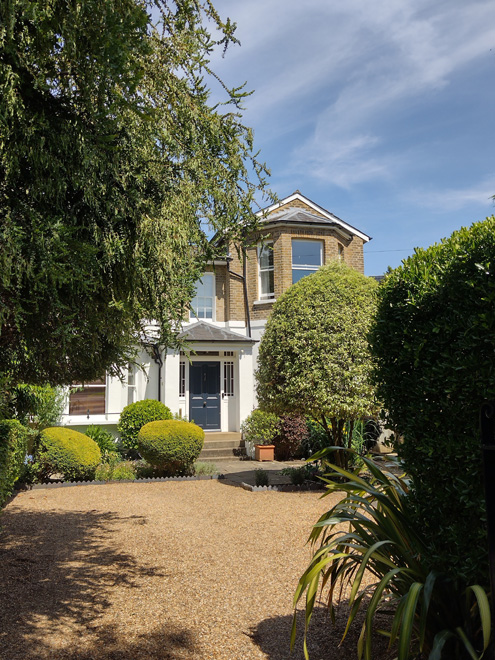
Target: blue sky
[[382, 113]]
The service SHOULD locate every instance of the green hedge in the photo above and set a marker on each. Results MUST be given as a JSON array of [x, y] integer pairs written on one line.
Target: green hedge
[[434, 342], [69, 453], [171, 445], [135, 416], [14, 440]]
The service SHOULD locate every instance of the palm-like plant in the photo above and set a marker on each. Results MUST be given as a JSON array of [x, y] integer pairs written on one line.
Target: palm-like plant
[[431, 615]]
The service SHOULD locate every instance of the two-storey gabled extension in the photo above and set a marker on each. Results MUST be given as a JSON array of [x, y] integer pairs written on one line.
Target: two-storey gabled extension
[[213, 383]]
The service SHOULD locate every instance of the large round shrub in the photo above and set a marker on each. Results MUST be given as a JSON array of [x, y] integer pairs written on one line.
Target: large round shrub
[[136, 415], [171, 445], [434, 342], [68, 452], [314, 357]]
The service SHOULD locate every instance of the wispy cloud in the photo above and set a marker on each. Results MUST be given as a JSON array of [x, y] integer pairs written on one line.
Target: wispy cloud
[[454, 199], [351, 65]]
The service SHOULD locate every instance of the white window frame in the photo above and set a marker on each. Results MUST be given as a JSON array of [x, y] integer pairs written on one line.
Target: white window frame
[[182, 379], [228, 379], [195, 313], [131, 384], [269, 295], [310, 267]]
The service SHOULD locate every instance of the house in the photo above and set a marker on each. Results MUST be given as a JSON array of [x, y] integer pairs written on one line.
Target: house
[[214, 383]]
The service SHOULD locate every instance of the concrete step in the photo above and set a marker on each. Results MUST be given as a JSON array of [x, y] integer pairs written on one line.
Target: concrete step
[[222, 444], [208, 454]]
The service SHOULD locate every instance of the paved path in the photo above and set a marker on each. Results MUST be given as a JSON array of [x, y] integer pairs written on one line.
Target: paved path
[[242, 471]]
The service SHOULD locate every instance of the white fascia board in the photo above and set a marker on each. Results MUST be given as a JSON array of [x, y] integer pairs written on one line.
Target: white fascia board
[[320, 209]]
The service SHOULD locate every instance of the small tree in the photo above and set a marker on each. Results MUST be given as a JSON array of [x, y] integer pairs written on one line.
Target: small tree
[[314, 358]]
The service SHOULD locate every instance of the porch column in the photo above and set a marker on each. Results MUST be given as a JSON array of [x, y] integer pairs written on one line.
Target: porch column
[[246, 383], [171, 378]]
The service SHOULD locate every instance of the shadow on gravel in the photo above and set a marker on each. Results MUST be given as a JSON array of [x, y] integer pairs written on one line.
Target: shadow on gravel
[[323, 637], [57, 573]]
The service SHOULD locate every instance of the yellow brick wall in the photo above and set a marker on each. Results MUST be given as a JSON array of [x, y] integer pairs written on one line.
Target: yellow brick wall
[[232, 308], [221, 293]]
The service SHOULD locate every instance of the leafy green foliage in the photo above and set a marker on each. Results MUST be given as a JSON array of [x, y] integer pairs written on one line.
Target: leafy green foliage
[[103, 438], [115, 469], [112, 161], [316, 440], [13, 449], [261, 478], [171, 445], [314, 357], [260, 427], [434, 345], [37, 406], [370, 530], [301, 474], [135, 416], [292, 433], [205, 467], [69, 453]]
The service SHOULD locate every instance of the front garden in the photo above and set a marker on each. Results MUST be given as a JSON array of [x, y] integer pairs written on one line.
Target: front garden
[[407, 556]]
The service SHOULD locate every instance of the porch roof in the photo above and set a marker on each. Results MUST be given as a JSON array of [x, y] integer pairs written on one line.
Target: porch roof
[[205, 332]]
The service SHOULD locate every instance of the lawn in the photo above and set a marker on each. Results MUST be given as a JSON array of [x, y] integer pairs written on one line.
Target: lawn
[[173, 570]]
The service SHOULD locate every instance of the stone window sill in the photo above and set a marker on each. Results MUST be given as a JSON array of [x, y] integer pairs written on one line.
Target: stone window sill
[[265, 301]]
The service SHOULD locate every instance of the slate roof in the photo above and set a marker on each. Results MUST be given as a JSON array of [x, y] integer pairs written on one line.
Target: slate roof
[[205, 332], [297, 216]]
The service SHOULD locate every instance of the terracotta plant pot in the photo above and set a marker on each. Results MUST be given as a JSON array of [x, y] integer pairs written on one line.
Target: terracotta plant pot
[[264, 452]]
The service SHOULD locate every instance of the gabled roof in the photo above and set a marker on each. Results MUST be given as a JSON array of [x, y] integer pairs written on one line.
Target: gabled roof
[[205, 332], [276, 213]]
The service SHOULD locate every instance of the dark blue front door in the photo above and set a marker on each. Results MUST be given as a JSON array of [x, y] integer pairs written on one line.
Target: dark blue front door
[[204, 394]]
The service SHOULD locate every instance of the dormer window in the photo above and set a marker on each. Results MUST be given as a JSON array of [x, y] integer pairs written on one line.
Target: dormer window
[[307, 257], [266, 280], [203, 303]]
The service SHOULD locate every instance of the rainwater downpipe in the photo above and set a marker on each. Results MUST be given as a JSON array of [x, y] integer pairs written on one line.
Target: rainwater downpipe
[[158, 360], [244, 287]]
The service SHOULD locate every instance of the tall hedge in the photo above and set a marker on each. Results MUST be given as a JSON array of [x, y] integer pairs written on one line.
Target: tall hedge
[[434, 343], [13, 448]]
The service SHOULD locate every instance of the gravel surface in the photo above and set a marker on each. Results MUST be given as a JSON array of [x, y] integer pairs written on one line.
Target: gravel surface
[[161, 570]]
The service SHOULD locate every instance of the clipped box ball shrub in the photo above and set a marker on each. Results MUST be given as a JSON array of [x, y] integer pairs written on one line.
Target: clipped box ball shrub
[[171, 445], [135, 416], [13, 448], [69, 453]]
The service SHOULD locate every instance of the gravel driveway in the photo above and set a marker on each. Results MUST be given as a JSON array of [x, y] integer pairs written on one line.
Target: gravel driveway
[[160, 570]]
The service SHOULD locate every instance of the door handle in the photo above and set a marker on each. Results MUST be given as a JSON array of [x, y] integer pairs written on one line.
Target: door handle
[[204, 404]]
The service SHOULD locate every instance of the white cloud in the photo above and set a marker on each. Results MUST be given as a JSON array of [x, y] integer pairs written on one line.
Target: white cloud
[[337, 69], [454, 199]]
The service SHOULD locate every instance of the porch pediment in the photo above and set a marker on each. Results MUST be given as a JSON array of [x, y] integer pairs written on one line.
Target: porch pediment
[[205, 332]]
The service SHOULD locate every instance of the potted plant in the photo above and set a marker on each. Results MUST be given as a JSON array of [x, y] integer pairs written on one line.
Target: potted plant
[[259, 429]]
